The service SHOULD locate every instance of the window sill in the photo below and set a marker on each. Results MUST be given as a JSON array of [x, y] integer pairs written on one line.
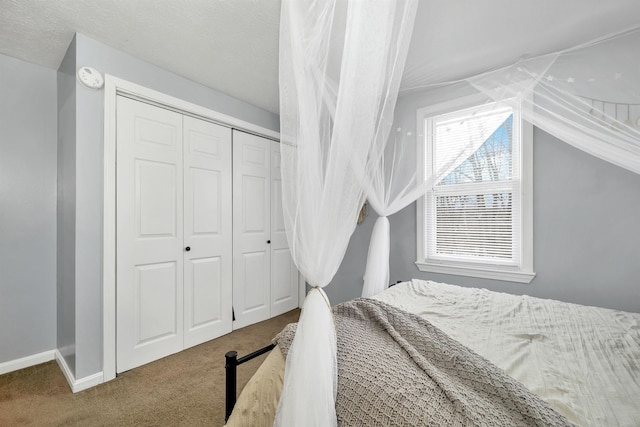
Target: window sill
[[472, 271]]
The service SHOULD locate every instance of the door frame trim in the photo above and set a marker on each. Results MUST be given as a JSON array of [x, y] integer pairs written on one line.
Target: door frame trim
[[112, 88]]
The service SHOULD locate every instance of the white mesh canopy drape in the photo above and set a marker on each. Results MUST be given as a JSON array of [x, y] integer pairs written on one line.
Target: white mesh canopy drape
[[340, 67], [587, 96], [393, 179]]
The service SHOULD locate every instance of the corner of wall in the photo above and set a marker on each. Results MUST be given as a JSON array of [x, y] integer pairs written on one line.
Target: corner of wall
[[65, 226]]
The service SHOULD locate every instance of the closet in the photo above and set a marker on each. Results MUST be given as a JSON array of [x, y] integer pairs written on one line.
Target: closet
[[176, 274]]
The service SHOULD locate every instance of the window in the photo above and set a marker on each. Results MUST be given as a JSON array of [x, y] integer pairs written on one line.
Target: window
[[475, 220]]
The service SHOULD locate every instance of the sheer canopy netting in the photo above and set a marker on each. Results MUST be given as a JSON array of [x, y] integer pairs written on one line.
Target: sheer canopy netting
[[340, 70], [341, 64], [587, 96]]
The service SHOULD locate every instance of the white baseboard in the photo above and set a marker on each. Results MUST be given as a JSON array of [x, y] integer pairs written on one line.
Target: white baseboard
[[87, 382], [25, 362], [82, 383], [46, 356]]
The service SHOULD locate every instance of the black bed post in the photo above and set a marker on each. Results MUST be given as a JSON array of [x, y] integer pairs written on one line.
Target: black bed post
[[230, 394]]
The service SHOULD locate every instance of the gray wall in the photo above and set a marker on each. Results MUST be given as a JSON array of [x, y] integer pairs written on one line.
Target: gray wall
[[586, 235], [347, 283], [66, 209], [27, 209], [89, 174]]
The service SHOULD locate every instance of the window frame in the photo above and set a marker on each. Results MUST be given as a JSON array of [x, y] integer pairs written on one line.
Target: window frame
[[522, 269]]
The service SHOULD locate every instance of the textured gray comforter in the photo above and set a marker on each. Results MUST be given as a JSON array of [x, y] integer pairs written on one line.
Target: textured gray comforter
[[396, 369]]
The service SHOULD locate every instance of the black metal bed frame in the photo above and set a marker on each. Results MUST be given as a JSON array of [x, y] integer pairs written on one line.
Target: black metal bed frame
[[232, 362]]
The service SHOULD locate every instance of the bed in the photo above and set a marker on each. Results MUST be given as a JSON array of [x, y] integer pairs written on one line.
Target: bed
[[581, 361]]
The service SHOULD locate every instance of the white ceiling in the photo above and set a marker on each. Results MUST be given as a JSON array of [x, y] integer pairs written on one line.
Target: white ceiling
[[232, 45], [228, 45]]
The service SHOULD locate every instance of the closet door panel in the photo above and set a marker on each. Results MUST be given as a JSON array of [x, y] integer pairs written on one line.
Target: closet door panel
[[207, 231], [251, 213], [149, 234], [156, 291], [255, 269], [284, 275], [204, 300]]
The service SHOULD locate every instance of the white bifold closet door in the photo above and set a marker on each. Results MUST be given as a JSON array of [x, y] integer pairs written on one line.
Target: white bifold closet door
[[264, 275], [173, 241], [284, 274], [207, 231]]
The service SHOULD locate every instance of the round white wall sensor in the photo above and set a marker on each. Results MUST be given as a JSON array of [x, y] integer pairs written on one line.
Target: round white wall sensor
[[90, 77]]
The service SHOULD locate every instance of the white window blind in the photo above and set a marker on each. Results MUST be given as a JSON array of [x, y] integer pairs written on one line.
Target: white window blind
[[475, 225]]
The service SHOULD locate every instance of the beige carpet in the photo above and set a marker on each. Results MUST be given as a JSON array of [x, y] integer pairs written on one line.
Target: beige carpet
[[185, 389]]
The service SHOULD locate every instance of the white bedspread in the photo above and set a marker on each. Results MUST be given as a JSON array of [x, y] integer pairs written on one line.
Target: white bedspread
[[584, 361]]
